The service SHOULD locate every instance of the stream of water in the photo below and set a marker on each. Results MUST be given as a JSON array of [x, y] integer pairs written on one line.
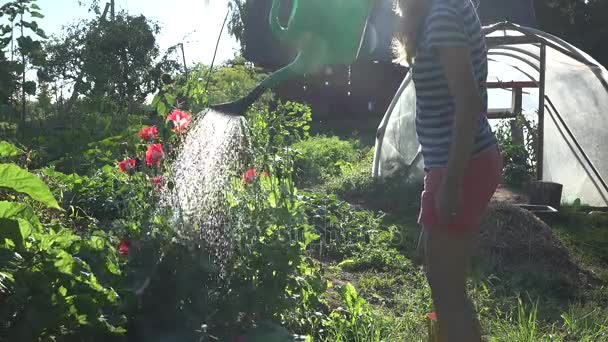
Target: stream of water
[[212, 150]]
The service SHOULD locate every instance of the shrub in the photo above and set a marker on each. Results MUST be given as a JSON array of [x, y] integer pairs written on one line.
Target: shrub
[[357, 185], [261, 272], [519, 160], [321, 157], [54, 284]]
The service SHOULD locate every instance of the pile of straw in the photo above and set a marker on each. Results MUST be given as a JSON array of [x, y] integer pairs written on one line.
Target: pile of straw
[[513, 239]]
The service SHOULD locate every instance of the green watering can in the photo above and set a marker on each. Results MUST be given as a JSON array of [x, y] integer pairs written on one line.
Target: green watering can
[[324, 32]]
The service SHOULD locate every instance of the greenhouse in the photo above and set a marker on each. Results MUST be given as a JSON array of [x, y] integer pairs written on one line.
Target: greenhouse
[[566, 91]]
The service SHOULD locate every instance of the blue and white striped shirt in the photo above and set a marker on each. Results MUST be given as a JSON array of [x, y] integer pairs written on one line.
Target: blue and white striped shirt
[[449, 23]]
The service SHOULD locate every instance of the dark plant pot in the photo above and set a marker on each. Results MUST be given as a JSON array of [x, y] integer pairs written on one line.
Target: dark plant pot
[[545, 193]]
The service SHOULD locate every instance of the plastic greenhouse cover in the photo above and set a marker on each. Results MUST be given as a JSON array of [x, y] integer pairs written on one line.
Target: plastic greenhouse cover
[[576, 127]]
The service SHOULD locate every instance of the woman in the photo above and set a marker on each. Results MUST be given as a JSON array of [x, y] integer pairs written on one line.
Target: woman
[[443, 42]]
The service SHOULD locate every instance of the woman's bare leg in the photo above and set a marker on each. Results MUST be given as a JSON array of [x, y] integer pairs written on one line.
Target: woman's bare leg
[[447, 264]]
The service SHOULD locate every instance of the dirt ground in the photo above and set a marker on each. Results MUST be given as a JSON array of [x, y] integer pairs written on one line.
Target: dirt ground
[[509, 196]]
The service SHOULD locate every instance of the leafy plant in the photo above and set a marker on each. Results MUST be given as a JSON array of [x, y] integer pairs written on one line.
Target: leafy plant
[[49, 288], [273, 130], [271, 273], [519, 160], [8, 150], [356, 185], [272, 278], [321, 157], [355, 321], [344, 230], [200, 86], [15, 178]]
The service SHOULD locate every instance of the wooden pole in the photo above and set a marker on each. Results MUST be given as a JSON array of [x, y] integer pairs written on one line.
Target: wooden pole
[[541, 111], [105, 10], [184, 59], [23, 103], [517, 133]]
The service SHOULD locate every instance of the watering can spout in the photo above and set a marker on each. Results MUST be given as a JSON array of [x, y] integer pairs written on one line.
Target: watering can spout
[[239, 107]]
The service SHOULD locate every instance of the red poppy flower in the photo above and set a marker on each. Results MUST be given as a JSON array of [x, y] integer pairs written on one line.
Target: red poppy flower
[[180, 121], [149, 133], [157, 182], [123, 247], [432, 316], [154, 154], [249, 176], [265, 174], [127, 165]]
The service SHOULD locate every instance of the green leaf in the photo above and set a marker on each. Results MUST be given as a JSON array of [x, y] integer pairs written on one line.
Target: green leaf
[[40, 32], [11, 230], [34, 6], [8, 150], [37, 14], [63, 239], [97, 243], [30, 87], [170, 98], [26, 44], [155, 101], [112, 268], [15, 178], [5, 41], [64, 262], [161, 109], [15, 211], [309, 237]]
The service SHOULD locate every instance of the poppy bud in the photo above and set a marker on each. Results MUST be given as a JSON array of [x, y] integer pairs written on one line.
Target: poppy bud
[[166, 78]]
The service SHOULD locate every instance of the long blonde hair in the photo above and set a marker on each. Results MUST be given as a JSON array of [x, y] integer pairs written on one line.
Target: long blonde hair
[[411, 14]]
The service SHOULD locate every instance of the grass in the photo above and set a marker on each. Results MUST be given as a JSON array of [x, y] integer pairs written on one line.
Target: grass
[[386, 272], [587, 239]]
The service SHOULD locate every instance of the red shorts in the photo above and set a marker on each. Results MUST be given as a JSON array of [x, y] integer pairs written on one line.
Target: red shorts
[[482, 175]]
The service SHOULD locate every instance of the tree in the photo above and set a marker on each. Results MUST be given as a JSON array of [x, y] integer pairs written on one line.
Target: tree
[[583, 23], [8, 74], [236, 23], [29, 49], [109, 62]]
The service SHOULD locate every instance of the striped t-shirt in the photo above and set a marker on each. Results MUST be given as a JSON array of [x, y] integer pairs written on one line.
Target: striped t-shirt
[[449, 23]]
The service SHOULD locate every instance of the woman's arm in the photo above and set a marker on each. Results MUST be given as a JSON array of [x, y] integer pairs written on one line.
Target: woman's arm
[[468, 106], [463, 87]]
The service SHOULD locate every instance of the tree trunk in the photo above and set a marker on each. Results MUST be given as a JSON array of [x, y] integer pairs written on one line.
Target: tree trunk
[[23, 94], [74, 96], [546, 193], [22, 83]]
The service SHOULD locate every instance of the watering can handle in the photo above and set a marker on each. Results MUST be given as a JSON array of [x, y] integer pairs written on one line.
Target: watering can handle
[[275, 25]]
